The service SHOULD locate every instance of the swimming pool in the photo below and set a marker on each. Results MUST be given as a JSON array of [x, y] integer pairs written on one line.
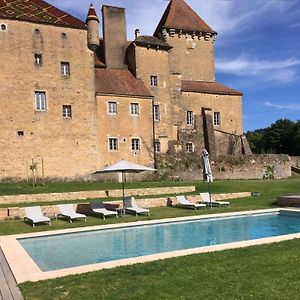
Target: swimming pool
[[53, 252]]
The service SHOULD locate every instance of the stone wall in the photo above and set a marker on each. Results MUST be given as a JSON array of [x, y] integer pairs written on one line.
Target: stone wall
[[295, 161], [52, 210], [67, 145], [15, 199], [188, 167]]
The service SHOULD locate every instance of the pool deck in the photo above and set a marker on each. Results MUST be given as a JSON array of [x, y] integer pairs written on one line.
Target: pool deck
[[25, 269], [8, 286]]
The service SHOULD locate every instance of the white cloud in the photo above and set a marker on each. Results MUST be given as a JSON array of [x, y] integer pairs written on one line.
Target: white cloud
[[283, 106], [282, 71]]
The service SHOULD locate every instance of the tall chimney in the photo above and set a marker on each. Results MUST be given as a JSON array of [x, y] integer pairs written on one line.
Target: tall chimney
[[115, 37]]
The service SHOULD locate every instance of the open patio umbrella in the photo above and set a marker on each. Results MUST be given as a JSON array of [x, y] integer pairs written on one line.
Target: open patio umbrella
[[207, 174], [124, 166]]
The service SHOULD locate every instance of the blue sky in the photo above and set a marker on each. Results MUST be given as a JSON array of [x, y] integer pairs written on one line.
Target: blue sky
[[257, 48]]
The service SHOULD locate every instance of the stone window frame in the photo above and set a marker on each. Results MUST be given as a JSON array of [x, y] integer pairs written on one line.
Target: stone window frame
[[156, 112], [189, 147], [153, 80], [113, 144], [67, 111], [38, 59], [157, 146], [217, 118], [112, 107], [40, 101], [65, 69], [134, 109], [190, 120], [135, 144]]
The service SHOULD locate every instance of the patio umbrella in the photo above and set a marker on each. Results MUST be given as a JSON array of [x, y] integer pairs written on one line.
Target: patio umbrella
[[207, 174], [124, 166]]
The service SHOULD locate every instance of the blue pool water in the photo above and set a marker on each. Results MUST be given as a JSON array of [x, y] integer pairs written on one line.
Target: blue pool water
[[89, 247]]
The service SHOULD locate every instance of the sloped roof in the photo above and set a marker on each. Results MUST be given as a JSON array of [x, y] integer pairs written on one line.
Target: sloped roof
[[179, 15], [208, 88], [119, 82], [38, 11], [92, 15], [145, 40]]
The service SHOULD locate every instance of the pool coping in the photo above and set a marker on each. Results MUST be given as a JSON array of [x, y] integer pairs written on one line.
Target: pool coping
[[25, 269]]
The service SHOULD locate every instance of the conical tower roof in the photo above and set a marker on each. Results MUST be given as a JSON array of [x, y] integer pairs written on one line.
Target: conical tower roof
[[179, 15], [92, 15]]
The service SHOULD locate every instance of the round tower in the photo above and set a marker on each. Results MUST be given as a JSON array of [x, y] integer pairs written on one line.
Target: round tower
[[92, 22]]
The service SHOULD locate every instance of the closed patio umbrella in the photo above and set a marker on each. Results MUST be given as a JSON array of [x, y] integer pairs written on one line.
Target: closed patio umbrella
[[207, 174], [124, 166]]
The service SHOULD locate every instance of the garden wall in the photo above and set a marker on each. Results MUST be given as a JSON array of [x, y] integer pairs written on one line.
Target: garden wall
[[227, 167]]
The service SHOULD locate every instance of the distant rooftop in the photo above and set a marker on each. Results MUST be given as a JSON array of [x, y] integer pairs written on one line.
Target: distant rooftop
[[208, 88], [38, 11], [179, 15], [119, 82]]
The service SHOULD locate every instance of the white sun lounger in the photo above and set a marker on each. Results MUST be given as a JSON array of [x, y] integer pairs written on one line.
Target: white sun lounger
[[34, 214], [68, 211], [204, 198], [183, 201], [131, 206], [99, 208]]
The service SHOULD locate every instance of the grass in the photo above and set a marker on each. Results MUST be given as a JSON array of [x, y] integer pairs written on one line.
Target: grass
[[260, 272]]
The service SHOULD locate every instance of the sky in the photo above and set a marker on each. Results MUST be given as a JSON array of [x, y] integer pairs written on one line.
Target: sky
[[257, 50]]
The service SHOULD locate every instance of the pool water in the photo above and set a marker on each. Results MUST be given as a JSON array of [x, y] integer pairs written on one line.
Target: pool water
[[76, 249]]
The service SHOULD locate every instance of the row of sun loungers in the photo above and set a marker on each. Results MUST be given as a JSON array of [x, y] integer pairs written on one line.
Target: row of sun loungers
[[34, 214], [205, 201]]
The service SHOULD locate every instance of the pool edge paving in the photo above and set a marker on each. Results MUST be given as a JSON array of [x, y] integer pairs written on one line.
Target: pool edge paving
[[25, 269]]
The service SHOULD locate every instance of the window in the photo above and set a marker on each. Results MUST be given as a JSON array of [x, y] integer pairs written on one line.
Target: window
[[67, 111], [65, 68], [189, 118], [189, 148], [217, 118], [20, 133], [157, 147], [112, 108], [38, 59], [134, 109], [64, 35], [3, 27], [156, 112], [153, 80], [135, 144], [37, 32], [40, 101], [113, 144]]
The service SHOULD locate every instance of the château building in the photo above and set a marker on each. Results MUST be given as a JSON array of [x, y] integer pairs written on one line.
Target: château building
[[78, 102]]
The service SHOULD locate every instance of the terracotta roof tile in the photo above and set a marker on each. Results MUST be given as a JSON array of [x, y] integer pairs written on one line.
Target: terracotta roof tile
[[119, 82], [208, 88], [38, 11], [179, 15]]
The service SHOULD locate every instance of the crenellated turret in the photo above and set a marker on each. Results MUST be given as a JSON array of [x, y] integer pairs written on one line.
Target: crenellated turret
[[92, 22]]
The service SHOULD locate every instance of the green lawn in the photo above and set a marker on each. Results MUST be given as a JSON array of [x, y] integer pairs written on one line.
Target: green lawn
[[261, 272]]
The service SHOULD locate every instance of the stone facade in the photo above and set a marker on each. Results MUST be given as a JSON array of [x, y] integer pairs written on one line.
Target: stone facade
[[58, 77]]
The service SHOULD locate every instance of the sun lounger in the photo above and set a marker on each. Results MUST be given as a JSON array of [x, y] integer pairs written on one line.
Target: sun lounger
[[205, 198], [68, 211], [99, 208], [183, 201], [34, 215], [132, 207]]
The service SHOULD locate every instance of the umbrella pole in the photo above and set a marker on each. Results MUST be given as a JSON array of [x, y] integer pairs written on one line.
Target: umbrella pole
[[209, 193], [123, 192]]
